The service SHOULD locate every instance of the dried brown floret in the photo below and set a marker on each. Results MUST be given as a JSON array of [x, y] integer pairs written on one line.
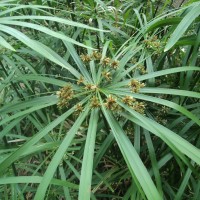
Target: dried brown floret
[[107, 75], [90, 87], [115, 64], [65, 94], [153, 43], [106, 61], [79, 108], [111, 103], [85, 58], [80, 80], [95, 102], [128, 100], [139, 107], [96, 55], [135, 85], [142, 69]]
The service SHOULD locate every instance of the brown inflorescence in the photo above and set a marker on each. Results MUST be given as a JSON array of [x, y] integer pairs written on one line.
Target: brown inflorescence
[[115, 64], [135, 85], [65, 94], [85, 58], [106, 61], [139, 107], [96, 55], [95, 102], [107, 75], [90, 86], [80, 80], [111, 103], [128, 100], [142, 69], [78, 108], [153, 43]]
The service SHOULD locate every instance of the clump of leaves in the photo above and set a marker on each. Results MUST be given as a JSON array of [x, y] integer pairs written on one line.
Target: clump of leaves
[[111, 136], [108, 67]]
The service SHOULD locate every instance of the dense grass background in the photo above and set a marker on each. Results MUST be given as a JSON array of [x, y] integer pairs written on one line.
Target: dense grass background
[[99, 100]]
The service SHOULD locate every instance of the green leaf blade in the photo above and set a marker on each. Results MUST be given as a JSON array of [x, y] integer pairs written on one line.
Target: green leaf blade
[[87, 165]]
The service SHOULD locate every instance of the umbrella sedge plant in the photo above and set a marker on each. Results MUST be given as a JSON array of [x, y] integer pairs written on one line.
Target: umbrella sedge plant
[[109, 125]]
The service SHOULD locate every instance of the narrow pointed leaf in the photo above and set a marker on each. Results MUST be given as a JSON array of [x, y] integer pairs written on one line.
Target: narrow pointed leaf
[[136, 166], [87, 164], [183, 26], [42, 188]]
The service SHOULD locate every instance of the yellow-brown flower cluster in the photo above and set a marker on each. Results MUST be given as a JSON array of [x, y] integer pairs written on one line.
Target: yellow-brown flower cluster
[[107, 75], [96, 55], [142, 69], [86, 58], [80, 80], [90, 86], [153, 43], [115, 64], [132, 103], [135, 85], [65, 94], [128, 100], [106, 61], [78, 108], [95, 102], [160, 115], [139, 107], [111, 103]]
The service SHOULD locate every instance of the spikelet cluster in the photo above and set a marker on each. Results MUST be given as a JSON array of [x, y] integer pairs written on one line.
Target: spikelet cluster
[[111, 103], [78, 108], [132, 103], [135, 85], [85, 58], [80, 80], [95, 102], [139, 107], [115, 64], [65, 94], [153, 43], [90, 87], [97, 56], [128, 100], [107, 75], [107, 63], [142, 69]]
